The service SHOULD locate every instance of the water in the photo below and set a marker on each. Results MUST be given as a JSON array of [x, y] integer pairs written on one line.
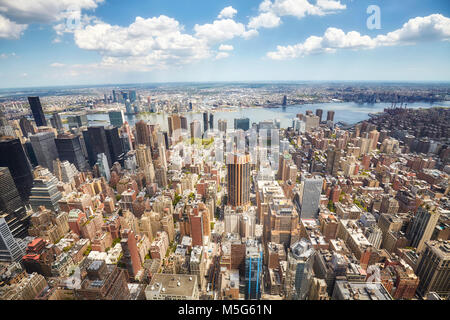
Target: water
[[347, 112]]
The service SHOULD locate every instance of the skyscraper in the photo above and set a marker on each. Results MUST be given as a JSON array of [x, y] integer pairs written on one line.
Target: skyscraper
[[309, 197], [130, 252], [253, 271], [205, 121], [11, 205], [330, 115], [103, 166], [10, 250], [45, 191], [243, 124], [114, 144], [422, 227], [44, 148], [26, 127], [238, 179], [319, 113], [299, 270], [196, 131], [69, 149], [433, 268], [222, 125], [96, 142], [38, 113], [211, 121], [116, 118], [143, 134], [13, 157], [56, 121]]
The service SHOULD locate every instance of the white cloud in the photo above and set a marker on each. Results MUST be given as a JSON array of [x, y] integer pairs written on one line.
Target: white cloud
[[147, 43], [7, 55], [264, 20], [271, 12], [228, 12], [226, 47], [433, 27], [43, 11], [10, 29], [222, 55], [16, 15], [219, 30]]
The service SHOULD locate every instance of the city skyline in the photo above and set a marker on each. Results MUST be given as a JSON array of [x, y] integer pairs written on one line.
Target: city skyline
[[107, 41]]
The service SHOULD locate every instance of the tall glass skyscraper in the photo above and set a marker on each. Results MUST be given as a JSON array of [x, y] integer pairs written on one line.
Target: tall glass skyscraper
[[38, 113]]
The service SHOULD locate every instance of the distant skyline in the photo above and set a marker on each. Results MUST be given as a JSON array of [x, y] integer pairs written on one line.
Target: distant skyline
[[94, 42]]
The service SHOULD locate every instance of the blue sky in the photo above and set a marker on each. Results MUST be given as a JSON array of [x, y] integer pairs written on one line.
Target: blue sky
[[200, 40]]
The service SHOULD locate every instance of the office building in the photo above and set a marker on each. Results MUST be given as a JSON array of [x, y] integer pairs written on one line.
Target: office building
[[319, 113], [253, 270], [196, 131], [330, 115], [205, 121], [103, 167], [211, 121], [309, 196], [143, 133], [130, 252], [44, 148], [114, 144], [116, 118], [10, 250], [38, 113], [70, 149], [14, 158], [56, 121], [422, 228], [243, 124], [26, 127], [299, 271], [238, 179], [77, 121], [96, 142], [433, 269], [222, 125], [45, 191], [11, 207]]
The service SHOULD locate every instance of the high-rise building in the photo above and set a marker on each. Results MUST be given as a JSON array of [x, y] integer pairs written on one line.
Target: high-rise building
[[14, 157], [96, 142], [433, 268], [330, 115], [130, 252], [334, 156], [205, 121], [196, 131], [45, 191], [309, 197], [56, 121], [184, 124], [238, 179], [77, 121], [422, 228], [132, 95], [103, 166], [116, 118], [10, 250], [143, 133], [11, 207], [211, 121], [253, 270], [114, 144], [299, 270], [222, 125], [319, 113], [26, 127], [44, 148], [243, 124], [38, 113], [69, 149]]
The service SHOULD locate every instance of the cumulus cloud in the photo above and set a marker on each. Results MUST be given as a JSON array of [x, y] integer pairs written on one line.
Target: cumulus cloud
[[226, 47], [433, 27], [219, 30], [270, 13], [148, 43], [10, 29], [228, 12], [16, 15]]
